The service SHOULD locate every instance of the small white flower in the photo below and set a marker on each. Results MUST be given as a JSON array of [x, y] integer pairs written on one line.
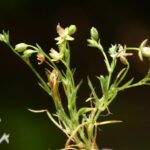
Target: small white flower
[[146, 51], [63, 35], [113, 51], [55, 55], [122, 54]]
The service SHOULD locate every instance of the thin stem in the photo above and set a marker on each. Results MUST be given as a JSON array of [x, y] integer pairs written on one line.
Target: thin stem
[[31, 67], [74, 132], [132, 48], [124, 75], [55, 122], [111, 70], [38, 48], [58, 106], [105, 56]]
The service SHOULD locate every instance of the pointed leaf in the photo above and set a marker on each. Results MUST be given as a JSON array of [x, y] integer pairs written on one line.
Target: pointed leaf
[[92, 90], [104, 81], [126, 84]]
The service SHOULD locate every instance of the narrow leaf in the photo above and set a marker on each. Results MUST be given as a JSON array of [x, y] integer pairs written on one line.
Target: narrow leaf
[[108, 122], [84, 110], [103, 82], [92, 90], [126, 84]]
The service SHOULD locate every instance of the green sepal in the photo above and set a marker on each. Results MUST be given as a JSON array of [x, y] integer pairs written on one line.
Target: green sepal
[[92, 43]]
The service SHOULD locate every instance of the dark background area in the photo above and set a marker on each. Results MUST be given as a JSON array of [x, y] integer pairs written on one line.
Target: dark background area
[[34, 21]]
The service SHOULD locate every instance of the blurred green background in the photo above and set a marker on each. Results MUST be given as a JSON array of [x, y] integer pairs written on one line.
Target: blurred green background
[[34, 21]]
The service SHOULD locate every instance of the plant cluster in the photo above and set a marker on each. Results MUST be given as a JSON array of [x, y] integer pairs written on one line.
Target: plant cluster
[[80, 124]]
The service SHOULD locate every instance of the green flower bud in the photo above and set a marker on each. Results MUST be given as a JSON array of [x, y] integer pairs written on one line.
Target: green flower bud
[[2, 38], [146, 51], [94, 34], [72, 29], [113, 50], [21, 47], [27, 53]]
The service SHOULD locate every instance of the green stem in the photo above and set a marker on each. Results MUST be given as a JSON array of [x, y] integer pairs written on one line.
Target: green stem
[[58, 106], [124, 74], [139, 83], [111, 70], [106, 104], [105, 56], [132, 48], [31, 67], [40, 50]]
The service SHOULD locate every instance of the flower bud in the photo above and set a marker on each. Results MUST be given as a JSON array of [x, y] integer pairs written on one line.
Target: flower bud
[[146, 51], [94, 34], [21, 47], [112, 50], [2, 38], [27, 53], [72, 29]]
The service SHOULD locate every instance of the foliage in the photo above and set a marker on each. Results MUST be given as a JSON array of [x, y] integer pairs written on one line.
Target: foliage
[[80, 125]]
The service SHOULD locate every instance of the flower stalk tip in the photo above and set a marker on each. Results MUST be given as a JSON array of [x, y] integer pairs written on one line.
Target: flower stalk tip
[[71, 29], [94, 34]]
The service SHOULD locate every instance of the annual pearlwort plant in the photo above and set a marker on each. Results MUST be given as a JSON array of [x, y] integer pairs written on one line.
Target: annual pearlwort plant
[[80, 124]]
